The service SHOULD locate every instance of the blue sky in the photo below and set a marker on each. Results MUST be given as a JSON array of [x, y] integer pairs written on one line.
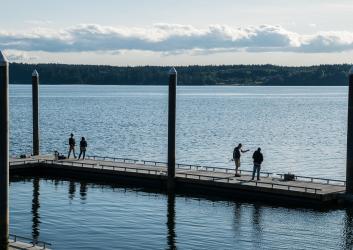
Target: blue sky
[[179, 32]]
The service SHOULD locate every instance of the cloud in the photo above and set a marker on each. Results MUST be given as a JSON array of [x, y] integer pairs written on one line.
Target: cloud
[[39, 22], [175, 38], [19, 56]]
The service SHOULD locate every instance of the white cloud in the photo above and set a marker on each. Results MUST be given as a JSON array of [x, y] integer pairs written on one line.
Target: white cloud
[[19, 56], [175, 38]]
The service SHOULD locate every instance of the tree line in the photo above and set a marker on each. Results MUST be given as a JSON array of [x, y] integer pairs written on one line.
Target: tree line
[[266, 75]]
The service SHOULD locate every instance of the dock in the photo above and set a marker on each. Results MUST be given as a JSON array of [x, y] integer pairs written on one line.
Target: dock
[[188, 178], [22, 243]]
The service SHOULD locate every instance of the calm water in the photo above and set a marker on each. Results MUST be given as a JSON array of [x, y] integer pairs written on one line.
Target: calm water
[[300, 129]]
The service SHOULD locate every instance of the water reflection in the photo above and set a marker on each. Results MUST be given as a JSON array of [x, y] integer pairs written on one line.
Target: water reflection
[[83, 190], [171, 221], [35, 210], [257, 225], [348, 229], [72, 190], [237, 219]]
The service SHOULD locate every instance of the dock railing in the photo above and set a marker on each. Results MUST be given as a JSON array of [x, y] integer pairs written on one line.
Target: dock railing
[[317, 180], [128, 166], [38, 243]]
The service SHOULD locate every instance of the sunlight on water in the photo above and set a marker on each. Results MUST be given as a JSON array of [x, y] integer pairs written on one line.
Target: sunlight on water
[[300, 129]]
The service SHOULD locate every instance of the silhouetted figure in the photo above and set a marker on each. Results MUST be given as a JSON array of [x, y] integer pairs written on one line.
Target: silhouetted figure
[[72, 145], [83, 146], [258, 159], [236, 157]]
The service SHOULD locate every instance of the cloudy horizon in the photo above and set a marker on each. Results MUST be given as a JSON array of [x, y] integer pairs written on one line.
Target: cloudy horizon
[[267, 40]]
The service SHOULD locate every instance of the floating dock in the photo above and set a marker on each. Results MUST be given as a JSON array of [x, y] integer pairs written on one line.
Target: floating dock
[[188, 178], [23, 243]]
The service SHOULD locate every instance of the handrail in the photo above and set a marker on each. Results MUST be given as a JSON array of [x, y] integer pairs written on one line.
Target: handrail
[[180, 166], [205, 168], [313, 179], [32, 241], [288, 186], [94, 157], [214, 178]]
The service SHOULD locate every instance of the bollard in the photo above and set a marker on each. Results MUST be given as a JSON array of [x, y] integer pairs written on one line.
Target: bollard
[[35, 111], [4, 151], [349, 170], [171, 127]]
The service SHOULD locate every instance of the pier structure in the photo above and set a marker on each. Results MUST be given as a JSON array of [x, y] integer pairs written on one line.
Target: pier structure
[[4, 151], [171, 128], [189, 179], [349, 170], [35, 111]]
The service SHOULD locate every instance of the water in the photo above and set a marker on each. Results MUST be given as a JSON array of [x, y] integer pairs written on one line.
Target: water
[[300, 130]]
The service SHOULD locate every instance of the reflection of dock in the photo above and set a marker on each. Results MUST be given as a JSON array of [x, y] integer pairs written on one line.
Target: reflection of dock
[[189, 178]]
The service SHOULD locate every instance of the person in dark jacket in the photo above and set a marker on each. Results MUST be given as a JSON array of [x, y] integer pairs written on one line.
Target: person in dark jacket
[[83, 146], [72, 144], [236, 157], [258, 159]]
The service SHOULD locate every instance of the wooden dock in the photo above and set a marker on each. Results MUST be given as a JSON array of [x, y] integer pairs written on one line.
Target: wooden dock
[[189, 178], [23, 243]]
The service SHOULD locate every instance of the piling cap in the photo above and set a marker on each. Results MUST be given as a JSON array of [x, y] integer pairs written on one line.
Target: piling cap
[[35, 73], [3, 59], [172, 71], [350, 71]]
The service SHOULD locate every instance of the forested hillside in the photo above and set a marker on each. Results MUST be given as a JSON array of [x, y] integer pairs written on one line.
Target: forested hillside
[[187, 75]]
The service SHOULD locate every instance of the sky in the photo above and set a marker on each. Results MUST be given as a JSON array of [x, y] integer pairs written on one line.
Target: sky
[[182, 32]]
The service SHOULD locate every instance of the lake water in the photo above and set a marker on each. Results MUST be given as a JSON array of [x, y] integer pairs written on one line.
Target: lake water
[[300, 130]]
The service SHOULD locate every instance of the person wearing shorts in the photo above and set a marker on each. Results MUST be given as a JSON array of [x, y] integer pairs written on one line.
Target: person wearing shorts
[[236, 157]]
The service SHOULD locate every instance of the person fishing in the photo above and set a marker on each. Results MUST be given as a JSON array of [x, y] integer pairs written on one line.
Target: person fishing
[[72, 145], [83, 147], [236, 157], [258, 159]]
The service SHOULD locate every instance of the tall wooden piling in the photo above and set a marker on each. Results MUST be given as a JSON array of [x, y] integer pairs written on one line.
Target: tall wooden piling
[[35, 111], [4, 151], [171, 127], [349, 170]]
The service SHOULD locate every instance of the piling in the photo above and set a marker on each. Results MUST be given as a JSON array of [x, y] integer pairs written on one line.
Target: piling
[[349, 170], [35, 111], [171, 127], [4, 151]]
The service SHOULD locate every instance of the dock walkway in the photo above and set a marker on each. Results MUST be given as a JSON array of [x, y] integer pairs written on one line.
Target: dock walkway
[[221, 180]]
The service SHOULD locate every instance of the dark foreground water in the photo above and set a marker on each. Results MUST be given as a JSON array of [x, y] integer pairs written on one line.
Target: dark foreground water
[[300, 129]]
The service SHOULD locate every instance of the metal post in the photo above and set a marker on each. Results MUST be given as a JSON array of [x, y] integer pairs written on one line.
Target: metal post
[[4, 151], [349, 170], [35, 105], [171, 127]]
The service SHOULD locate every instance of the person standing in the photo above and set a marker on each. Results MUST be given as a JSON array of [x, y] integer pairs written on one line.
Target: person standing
[[258, 159], [236, 157], [83, 146], [72, 145]]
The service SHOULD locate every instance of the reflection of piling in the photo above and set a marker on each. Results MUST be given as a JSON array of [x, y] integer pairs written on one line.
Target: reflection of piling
[[171, 127], [35, 86], [35, 210], [171, 221], [4, 151], [349, 173], [347, 229]]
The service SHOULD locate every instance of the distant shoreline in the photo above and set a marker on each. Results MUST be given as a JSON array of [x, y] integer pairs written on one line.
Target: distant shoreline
[[195, 75]]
